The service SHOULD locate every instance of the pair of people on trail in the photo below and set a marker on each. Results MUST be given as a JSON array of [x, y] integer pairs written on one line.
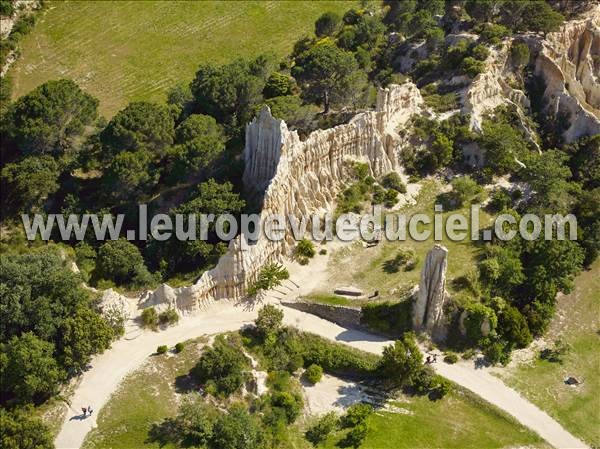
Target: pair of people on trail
[[431, 359], [87, 410]]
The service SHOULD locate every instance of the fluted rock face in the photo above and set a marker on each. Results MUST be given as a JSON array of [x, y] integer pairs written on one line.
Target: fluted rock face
[[570, 65], [297, 177], [490, 89], [428, 309]]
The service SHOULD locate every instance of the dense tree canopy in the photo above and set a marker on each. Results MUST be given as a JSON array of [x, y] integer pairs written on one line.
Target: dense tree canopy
[[229, 92], [28, 368], [22, 430], [140, 126], [328, 74], [30, 181], [120, 261], [49, 326], [327, 24], [46, 119]]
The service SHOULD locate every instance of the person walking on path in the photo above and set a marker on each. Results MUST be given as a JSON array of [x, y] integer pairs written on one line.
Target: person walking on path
[[84, 410], [90, 410]]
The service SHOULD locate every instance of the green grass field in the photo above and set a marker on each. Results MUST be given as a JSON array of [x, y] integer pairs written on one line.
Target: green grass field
[[121, 51], [459, 421], [365, 267], [146, 396], [578, 322]]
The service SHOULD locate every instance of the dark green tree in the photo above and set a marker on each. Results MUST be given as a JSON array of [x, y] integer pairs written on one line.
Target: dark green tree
[[83, 335], [28, 368], [229, 92], [140, 126], [21, 429], [328, 75], [30, 181], [269, 321], [327, 24], [401, 361], [278, 85], [502, 144], [200, 141], [237, 430], [46, 119], [223, 365], [119, 261], [130, 175]]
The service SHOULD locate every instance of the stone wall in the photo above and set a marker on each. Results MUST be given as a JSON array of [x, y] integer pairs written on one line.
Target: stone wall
[[344, 316], [299, 177]]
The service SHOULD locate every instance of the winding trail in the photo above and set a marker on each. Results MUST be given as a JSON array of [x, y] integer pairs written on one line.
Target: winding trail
[[108, 370]]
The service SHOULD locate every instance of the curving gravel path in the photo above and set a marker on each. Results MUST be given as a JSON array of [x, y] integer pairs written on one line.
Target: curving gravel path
[[108, 370]]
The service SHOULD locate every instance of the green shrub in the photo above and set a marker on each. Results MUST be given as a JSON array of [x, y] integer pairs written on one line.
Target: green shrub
[[356, 436], [464, 189], [441, 386], [356, 414], [451, 358], [319, 432], [322, 251], [269, 320], [468, 354], [313, 373], [391, 198], [291, 404], [519, 54], [480, 52], [492, 33], [224, 365], [168, 317], [335, 358], [393, 181], [179, 347], [497, 352], [477, 314], [149, 318], [162, 349], [472, 67], [305, 249], [422, 381], [392, 319]]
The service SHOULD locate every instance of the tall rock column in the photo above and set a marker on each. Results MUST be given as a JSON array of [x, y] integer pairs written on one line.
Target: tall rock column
[[428, 309]]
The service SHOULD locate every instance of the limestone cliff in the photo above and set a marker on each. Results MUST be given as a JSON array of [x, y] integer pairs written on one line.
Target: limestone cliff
[[428, 309], [299, 177], [569, 63]]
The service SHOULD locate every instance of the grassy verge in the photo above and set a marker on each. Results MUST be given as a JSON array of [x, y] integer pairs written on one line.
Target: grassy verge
[[459, 421], [368, 268], [121, 51], [148, 395], [333, 300], [577, 322]]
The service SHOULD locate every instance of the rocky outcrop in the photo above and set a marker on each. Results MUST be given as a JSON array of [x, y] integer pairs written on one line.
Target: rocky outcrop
[[428, 309], [569, 63], [297, 177], [489, 89]]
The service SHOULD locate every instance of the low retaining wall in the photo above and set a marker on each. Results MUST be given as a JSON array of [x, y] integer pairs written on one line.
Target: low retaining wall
[[341, 315]]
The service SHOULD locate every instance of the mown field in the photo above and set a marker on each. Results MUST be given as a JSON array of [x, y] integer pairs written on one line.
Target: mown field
[[577, 322], [120, 51]]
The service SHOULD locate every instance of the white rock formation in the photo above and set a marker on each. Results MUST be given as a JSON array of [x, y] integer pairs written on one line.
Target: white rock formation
[[113, 301], [296, 177], [569, 62], [428, 309]]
